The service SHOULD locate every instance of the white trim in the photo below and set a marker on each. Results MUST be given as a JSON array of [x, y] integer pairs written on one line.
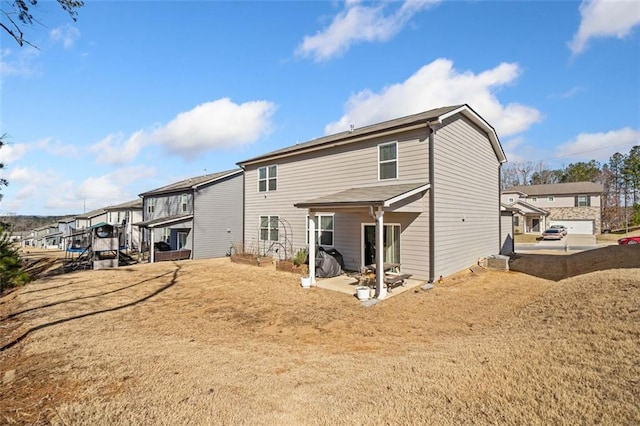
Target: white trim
[[408, 194], [336, 143], [480, 122], [217, 179], [396, 160], [318, 228], [269, 228], [267, 178], [363, 224]]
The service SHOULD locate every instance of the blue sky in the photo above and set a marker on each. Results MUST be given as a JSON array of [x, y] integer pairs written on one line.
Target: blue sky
[[138, 94]]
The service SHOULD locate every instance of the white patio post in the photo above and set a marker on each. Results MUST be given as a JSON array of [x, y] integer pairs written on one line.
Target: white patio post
[[312, 247], [151, 251], [381, 291]]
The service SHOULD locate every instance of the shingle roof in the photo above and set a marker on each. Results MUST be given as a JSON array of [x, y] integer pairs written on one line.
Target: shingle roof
[[558, 189], [359, 133], [92, 213], [133, 204], [190, 183], [364, 196]]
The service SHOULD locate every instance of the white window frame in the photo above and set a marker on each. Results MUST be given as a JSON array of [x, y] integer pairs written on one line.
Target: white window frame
[[184, 234], [362, 242], [151, 205], [586, 201], [319, 229], [395, 160], [185, 202], [166, 235], [270, 174], [511, 200], [534, 199], [551, 198], [269, 228]]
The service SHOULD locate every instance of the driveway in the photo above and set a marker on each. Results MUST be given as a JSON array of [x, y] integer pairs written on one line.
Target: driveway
[[571, 242]]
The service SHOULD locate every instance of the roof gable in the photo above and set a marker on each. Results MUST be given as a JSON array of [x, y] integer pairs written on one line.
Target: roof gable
[[191, 183], [423, 119]]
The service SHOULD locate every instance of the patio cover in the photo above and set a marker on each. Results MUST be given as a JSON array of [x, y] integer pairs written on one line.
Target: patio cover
[[376, 196], [376, 199], [164, 221]]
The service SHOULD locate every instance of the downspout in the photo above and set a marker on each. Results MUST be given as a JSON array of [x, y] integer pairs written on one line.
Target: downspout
[[193, 224], [432, 214], [500, 211]]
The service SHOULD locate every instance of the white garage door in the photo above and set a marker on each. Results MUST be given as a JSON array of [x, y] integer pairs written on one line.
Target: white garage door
[[576, 226]]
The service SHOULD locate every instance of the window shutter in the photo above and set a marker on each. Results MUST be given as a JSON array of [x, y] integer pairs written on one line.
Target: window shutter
[[588, 201], [575, 201]]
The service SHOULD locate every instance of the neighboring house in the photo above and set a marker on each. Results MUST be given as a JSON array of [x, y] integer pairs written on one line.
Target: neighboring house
[[425, 188], [202, 214], [91, 219], [575, 205], [125, 216]]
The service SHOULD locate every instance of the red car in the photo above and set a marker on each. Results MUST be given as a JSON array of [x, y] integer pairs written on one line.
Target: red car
[[629, 240]]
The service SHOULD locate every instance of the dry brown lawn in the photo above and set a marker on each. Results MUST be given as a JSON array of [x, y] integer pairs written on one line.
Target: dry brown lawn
[[211, 342]]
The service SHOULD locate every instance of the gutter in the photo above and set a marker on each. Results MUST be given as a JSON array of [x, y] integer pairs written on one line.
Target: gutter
[[432, 213]]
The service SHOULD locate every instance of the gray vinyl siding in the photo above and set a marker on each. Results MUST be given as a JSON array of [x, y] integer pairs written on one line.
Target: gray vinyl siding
[[311, 175], [167, 205], [218, 218], [465, 187]]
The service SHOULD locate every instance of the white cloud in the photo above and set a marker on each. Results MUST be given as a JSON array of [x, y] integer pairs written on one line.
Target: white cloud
[[438, 84], [57, 148], [208, 126], [360, 23], [10, 153], [599, 146], [217, 124], [95, 191], [115, 149], [605, 18], [66, 34], [30, 176], [19, 64]]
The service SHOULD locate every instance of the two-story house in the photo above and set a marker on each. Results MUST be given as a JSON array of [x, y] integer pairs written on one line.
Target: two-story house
[[124, 216], [575, 205], [422, 191], [200, 216]]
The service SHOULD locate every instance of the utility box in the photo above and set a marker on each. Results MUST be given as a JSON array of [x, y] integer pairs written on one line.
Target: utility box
[[498, 262]]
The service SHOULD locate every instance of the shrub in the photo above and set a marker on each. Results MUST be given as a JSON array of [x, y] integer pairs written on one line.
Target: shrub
[[11, 273], [300, 257]]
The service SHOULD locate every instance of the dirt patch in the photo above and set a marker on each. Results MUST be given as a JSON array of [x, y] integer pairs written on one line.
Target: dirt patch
[[214, 342]]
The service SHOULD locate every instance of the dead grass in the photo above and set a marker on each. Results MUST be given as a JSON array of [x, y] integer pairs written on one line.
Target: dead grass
[[211, 342], [614, 237], [526, 238]]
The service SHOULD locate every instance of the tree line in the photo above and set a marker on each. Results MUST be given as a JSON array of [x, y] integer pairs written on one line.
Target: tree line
[[620, 177]]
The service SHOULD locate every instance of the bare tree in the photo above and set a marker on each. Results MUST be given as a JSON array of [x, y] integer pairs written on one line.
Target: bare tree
[[17, 14]]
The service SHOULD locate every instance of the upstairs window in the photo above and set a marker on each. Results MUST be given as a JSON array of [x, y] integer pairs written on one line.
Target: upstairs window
[[267, 178], [324, 230], [184, 203], [388, 161], [551, 199], [510, 200], [534, 199], [269, 228], [582, 201], [151, 205]]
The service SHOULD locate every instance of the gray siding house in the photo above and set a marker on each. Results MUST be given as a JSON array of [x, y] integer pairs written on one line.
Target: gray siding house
[[425, 188], [575, 205], [200, 215], [124, 216]]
